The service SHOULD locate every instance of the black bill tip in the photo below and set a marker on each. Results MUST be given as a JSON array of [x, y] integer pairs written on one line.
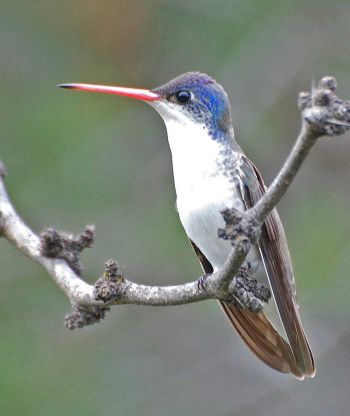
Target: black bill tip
[[67, 86]]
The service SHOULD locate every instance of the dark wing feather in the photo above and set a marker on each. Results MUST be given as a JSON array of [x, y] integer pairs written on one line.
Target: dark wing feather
[[257, 332], [262, 339], [274, 252]]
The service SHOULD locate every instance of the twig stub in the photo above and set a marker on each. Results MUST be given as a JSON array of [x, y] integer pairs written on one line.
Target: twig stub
[[327, 114], [247, 292], [238, 224], [111, 285], [80, 317], [55, 244]]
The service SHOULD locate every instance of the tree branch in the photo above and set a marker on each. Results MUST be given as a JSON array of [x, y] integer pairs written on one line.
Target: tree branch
[[323, 114], [22, 237]]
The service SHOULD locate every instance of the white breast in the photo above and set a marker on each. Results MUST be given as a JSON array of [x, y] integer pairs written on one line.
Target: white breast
[[202, 189]]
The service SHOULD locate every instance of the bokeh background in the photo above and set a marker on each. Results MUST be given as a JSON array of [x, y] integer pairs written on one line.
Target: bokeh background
[[75, 159]]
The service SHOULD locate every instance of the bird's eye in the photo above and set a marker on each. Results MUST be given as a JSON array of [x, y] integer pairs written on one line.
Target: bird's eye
[[183, 96]]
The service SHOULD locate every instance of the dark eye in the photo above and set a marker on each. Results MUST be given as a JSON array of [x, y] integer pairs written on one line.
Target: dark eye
[[183, 96]]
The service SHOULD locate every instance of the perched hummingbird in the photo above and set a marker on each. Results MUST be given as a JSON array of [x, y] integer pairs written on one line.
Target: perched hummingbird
[[212, 173]]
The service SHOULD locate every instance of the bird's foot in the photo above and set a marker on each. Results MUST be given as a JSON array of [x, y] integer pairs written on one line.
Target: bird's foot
[[202, 284]]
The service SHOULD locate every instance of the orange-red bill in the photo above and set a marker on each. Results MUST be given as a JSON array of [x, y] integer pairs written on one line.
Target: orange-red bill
[[138, 94]]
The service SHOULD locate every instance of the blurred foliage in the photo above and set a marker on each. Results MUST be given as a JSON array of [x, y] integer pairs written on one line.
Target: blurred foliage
[[76, 158]]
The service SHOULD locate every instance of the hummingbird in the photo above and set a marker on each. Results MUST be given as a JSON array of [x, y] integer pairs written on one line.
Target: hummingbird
[[212, 174]]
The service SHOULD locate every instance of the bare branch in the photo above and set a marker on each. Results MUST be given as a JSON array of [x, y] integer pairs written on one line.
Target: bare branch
[[20, 235], [323, 113], [113, 289]]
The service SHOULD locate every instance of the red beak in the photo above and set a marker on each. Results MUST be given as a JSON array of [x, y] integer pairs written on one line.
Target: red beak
[[138, 94]]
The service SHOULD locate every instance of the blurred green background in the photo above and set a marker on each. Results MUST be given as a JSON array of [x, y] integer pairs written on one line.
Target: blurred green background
[[75, 159]]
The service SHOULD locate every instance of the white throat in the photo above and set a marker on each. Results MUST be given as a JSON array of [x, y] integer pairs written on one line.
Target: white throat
[[195, 155]]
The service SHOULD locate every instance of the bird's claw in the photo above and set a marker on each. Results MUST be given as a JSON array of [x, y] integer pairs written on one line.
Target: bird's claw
[[202, 284]]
